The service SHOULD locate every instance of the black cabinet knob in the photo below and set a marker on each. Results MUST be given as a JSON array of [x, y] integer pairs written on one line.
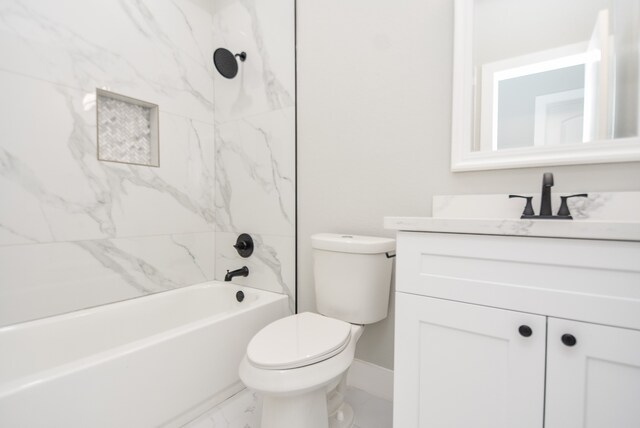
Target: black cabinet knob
[[525, 330], [569, 339]]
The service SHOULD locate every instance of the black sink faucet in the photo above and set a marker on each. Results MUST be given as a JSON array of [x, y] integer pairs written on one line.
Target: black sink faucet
[[243, 271], [545, 200]]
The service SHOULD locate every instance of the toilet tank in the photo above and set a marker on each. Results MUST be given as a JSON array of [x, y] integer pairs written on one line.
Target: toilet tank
[[352, 276]]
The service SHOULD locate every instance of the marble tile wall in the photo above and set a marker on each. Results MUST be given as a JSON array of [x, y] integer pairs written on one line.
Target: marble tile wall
[[76, 232], [255, 142]]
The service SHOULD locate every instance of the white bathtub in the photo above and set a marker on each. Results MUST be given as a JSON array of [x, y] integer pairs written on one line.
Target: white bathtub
[[158, 360]]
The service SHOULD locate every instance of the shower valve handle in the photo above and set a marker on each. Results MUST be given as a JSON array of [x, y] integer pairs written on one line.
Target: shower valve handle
[[244, 245]]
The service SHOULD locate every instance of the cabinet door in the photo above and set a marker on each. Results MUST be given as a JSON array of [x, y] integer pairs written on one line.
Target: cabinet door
[[459, 366], [596, 382]]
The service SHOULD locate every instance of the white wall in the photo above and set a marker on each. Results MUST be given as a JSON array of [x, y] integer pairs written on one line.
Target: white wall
[[374, 118], [77, 232]]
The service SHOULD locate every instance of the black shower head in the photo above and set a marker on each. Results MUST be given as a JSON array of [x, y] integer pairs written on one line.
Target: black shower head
[[226, 63]]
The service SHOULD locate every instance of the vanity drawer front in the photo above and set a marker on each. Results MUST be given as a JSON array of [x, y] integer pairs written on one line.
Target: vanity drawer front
[[567, 278]]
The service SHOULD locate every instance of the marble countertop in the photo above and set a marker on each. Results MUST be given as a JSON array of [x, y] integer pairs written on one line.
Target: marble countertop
[[576, 229]]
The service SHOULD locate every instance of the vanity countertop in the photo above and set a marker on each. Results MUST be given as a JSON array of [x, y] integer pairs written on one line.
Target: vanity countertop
[[576, 229]]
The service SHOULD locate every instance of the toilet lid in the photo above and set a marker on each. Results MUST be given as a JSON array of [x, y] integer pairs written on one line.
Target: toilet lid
[[297, 341]]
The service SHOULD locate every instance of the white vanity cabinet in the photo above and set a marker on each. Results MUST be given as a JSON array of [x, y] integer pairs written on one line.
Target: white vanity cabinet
[[480, 321], [596, 382], [461, 365]]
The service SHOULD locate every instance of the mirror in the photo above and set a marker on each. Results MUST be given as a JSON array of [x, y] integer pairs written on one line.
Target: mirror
[[550, 82]]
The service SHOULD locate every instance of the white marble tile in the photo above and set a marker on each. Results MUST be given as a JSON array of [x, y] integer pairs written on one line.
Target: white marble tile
[[55, 189], [255, 141], [77, 232], [370, 411], [271, 266], [176, 197], [154, 50], [45, 163], [243, 411], [266, 80], [255, 174], [39, 280]]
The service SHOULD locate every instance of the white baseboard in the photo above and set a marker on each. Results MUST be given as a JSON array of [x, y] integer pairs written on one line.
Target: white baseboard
[[375, 380]]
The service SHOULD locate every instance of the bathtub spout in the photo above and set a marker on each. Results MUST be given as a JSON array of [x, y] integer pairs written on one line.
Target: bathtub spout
[[243, 271]]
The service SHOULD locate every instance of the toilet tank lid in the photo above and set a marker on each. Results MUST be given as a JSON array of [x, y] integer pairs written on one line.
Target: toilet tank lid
[[346, 243]]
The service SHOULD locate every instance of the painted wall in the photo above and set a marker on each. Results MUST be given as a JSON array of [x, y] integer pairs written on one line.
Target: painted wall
[[76, 232], [255, 142], [374, 119]]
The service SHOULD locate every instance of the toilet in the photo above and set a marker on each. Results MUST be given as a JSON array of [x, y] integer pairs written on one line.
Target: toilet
[[299, 363]]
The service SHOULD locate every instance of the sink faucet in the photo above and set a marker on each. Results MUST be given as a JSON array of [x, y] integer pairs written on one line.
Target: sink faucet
[[545, 202], [243, 271]]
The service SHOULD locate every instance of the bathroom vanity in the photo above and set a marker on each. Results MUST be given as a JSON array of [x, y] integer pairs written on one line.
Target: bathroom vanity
[[514, 323]]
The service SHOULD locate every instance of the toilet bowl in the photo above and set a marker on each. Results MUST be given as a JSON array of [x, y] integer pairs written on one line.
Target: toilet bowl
[[299, 363]]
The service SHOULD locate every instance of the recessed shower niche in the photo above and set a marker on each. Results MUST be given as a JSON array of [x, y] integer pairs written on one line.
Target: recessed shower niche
[[127, 129]]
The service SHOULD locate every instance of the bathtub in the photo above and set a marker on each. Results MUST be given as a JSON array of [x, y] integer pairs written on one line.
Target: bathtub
[[154, 361]]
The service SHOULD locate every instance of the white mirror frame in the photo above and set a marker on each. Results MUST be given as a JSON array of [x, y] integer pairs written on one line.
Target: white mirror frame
[[462, 156]]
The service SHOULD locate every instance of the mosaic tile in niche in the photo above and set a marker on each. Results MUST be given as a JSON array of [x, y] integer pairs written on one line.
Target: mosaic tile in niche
[[127, 129]]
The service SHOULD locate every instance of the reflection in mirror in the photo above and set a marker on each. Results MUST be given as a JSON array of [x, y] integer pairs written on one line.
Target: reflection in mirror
[[547, 75], [559, 85]]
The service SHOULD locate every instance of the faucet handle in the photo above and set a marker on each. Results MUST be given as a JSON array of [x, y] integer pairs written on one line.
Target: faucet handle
[[528, 208], [564, 207], [244, 245]]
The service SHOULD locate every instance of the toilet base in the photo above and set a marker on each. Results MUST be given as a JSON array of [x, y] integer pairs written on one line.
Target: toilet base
[[343, 418], [315, 409], [307, 410], [341, 414]]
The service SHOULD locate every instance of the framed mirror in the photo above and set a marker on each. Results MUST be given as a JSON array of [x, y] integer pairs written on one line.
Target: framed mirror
[[550, 82]]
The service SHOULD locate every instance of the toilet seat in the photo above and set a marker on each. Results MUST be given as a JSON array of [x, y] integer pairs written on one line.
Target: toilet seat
[[297, 341]]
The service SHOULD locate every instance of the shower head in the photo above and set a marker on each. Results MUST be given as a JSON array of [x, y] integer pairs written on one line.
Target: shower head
[[226, 63]]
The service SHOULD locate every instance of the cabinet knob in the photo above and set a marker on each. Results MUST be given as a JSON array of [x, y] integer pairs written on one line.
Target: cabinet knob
[[525, 330], [569, 339]]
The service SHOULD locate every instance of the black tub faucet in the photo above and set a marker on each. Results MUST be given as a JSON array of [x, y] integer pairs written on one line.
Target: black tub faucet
[[243, 271], [545, 200]]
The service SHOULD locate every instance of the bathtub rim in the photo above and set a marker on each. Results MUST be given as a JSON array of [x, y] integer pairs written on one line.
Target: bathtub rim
[[105, 306], [52, 373]]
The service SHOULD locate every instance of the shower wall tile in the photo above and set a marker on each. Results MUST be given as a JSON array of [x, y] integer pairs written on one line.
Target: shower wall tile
[[55, 189], [266, 80], [39, 280], [271, 266], [74, 231], [255, 174], [179, 195], [154, 50], [255, 142]]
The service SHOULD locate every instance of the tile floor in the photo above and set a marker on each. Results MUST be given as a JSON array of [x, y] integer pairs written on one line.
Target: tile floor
[[243, 411]]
